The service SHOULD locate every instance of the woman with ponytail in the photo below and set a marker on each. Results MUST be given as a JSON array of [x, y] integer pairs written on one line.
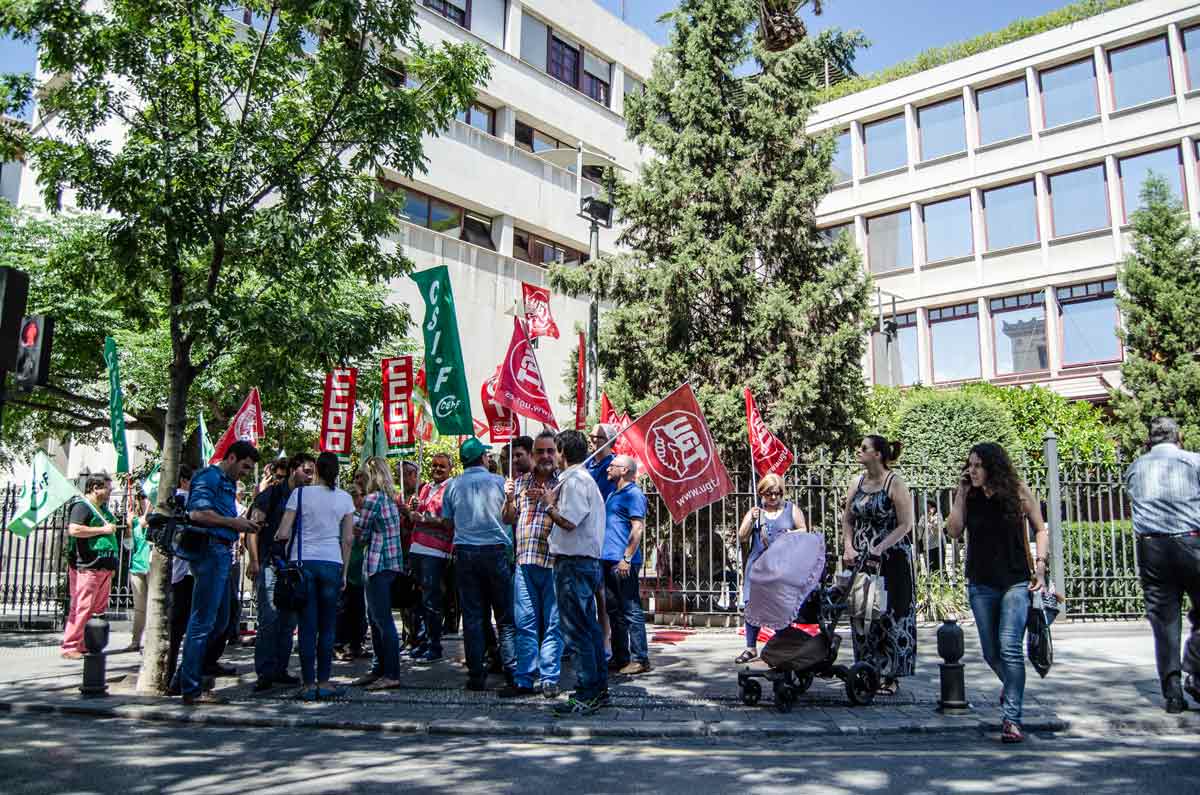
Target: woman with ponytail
[[877, 522]]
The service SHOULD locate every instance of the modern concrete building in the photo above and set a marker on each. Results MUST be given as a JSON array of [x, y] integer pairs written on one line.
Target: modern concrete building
[[991, 196]]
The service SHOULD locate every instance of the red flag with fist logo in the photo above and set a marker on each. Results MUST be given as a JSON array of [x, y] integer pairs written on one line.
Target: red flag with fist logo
[[520, 386], [537, 311], [679, 454], [769, 454], [501, 422]]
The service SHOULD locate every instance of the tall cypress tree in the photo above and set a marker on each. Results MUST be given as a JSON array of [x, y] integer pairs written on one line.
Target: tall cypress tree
[[1160, 305], [727, 283]]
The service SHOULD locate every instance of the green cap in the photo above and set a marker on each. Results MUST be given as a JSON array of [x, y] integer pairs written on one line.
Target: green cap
[[471, 450]]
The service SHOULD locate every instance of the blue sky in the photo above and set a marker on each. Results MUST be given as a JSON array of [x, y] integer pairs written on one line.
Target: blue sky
[[897, 30]]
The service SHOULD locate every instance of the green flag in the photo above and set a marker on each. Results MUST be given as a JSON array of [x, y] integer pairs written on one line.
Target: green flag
[[374, 438], [445, 375], [150, 485], [43, 493], [116, 405], [206, 445]]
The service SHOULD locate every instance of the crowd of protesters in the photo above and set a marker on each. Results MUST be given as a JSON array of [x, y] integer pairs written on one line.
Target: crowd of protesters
[[549, 552]]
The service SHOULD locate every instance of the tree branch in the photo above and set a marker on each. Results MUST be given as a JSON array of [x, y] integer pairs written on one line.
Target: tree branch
[[73, 396], [63, 410]]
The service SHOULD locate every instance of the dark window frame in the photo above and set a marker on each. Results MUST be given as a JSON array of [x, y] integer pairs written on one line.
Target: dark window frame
[[442, 9], [491, 114], [553, 43], [533, 240]]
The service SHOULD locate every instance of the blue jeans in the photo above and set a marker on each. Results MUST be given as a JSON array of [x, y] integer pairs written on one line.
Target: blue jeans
[[318, 619], [429, 571], [485, 585], [623, 603], [385, 640], [1000, 616], [539, 640], [576, 580], [210, 608], [273, 641]]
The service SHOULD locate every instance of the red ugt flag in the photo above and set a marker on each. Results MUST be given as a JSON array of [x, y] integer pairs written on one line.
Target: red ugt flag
[[537, 311], [247, 426], [520, 386], [679, 454], [769, 454], [501, 422]]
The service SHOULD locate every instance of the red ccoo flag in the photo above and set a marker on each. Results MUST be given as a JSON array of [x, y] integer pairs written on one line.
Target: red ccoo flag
[[679, 454], [768, 453], [520, 386], [537, 311], [581, 388], [247, 426]]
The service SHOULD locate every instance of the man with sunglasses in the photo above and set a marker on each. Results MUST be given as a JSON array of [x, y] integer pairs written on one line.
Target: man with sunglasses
[[601, 440], [620, 561]]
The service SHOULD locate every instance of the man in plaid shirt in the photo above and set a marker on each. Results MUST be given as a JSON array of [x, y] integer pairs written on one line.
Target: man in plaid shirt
[[539, 641]]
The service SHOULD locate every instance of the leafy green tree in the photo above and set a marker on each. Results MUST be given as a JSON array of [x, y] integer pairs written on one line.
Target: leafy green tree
[[244, 175], [728, 283], [1082, 430], [938, 428], [1159, 298]]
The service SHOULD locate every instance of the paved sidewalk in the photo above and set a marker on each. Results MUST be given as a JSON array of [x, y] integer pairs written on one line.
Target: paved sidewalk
[[1103, 681]]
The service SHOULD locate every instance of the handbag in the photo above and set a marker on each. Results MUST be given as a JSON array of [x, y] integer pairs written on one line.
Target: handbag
[[291, 588], [1043, 609], [868, 598]]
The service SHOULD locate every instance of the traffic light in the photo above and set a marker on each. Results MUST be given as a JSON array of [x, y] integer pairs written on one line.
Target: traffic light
[[33, 355], [14, 290]]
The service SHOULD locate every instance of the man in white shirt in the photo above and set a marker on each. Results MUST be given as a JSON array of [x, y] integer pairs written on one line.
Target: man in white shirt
[[576, 510]]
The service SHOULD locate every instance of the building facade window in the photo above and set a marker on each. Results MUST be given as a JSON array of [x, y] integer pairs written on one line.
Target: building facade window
[[481, 117], [477, 229], [889, 242], [535, 41], [597, 76], [1191, 56], [441, 216], [894, 352], [1003, 111], [954, 342], [532, 140], [535, 250], [633, 86], [1088, 323], [885, 144], [843, 158], [1010, 216], [1136, 169], [1069, 93], [942, 129], [1079, 201], [1140, 73], [1019, 333], [830, 234], [948, 232], [453, 10], [563, 62]]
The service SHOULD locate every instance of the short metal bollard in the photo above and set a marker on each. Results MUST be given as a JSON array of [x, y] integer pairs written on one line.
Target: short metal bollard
[[95, 638], [952, 675]]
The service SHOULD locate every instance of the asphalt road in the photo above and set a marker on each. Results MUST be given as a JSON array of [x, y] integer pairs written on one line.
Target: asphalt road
[[80, 755]]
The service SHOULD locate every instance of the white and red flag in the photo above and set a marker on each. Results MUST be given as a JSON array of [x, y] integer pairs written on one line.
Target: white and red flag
[[679, 454], [337, 412], [537, 311], [520, 386], [768, 453], [398, 425], [422, 411], [501, 421], [581, 388], [247, 426]]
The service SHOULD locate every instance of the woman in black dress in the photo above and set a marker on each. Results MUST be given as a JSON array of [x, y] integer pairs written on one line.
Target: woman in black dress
[[878, 522], [992, 504]]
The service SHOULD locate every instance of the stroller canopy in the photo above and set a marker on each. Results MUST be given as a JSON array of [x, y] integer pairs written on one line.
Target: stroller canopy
[[786, 573]]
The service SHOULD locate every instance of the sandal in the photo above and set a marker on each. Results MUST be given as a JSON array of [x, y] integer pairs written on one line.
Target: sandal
[[888, 688], [747, 656], [382, 684]]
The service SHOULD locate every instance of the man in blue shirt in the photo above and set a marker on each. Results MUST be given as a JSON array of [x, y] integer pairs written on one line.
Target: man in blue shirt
[[621, 561], [1164, 485], [212, 507], [473, 505], [602, 456]]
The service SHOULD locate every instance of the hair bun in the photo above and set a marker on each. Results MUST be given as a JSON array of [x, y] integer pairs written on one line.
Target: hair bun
[[895, 452]]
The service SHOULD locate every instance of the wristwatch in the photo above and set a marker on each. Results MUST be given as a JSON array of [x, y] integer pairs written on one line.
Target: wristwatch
[[627, 559]]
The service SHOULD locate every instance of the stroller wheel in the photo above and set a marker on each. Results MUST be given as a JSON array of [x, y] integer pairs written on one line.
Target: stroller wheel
[[750, 692], [861, 683], [785, 697], [803, 683]]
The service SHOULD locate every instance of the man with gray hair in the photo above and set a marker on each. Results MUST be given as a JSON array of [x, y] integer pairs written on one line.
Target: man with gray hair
[[621, 562], [602, 455], [1164, 485]]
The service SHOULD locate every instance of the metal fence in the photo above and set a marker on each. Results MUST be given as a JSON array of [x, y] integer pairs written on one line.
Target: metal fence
[[695, 569]]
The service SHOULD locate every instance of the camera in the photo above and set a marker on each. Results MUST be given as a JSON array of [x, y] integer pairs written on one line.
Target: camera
[[162, 529]]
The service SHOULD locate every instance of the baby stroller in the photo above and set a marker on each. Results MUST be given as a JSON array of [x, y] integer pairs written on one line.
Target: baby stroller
[[792, 658]]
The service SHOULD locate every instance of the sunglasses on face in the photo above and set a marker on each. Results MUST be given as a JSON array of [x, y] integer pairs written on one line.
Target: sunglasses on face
[[772, 493]]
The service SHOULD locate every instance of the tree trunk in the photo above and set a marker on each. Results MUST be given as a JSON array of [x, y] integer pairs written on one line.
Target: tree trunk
[[153, 676]]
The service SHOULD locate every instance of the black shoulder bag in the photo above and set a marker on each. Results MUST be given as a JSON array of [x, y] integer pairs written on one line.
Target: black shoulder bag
[[291, 589]]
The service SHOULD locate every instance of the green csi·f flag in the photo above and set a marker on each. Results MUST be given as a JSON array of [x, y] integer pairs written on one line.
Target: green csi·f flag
[[206, 445], [445, 375], [116, 405], [374, 439], [42, 493], [150, 484]]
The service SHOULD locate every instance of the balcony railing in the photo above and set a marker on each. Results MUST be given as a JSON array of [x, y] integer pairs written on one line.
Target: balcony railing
[[503, 151]]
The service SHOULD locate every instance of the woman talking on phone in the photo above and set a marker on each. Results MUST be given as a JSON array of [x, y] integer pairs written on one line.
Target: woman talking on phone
[[992, 504]]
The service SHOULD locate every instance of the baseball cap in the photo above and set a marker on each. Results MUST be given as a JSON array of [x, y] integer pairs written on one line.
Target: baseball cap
[[471, 450]]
